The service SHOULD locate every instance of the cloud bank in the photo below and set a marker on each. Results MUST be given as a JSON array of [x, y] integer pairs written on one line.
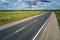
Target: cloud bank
[[29, 5]]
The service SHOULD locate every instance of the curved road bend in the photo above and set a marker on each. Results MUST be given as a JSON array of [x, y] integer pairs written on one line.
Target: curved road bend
[[25, 30]]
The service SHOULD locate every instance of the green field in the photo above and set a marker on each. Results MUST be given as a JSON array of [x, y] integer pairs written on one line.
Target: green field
[[12, 16], [58, 16]]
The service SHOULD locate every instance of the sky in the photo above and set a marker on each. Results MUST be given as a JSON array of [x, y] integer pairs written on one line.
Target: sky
[[29, 4]]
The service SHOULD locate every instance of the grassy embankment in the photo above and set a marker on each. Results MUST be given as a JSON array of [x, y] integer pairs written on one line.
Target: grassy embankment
[[58, 16], [12, 16]]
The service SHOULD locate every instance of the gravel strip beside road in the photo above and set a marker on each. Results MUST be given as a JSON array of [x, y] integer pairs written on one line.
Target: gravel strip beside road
[[51, 31]]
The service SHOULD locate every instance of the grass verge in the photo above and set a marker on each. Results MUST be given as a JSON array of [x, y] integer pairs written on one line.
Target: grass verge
[[58, 16], [12, 16]]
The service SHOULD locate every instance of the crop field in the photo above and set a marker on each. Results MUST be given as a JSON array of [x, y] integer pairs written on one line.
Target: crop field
[[12, 16]]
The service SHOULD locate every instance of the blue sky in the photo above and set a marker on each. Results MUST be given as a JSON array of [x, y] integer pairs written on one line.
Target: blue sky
[[29, 5]]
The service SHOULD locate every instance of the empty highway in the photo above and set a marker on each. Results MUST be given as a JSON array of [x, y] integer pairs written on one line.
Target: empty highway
[[25, 30]]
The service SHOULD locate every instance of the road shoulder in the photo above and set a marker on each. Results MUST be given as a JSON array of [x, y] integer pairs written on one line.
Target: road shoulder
[[51, 31]]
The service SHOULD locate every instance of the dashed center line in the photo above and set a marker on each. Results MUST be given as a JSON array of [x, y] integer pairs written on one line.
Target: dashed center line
[[20, 29], [25, 26]]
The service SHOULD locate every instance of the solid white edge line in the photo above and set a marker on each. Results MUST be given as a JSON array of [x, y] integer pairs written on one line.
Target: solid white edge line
[[40, 29]]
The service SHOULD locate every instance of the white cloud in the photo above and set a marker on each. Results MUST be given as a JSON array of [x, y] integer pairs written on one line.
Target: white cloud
[[30, 0], [15, 4], [19, 0], [3, 1]]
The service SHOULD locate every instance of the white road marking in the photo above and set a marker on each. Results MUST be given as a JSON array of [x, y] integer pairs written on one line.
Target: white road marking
[[25, 26], [19, 30], [14, 32], [39, 30]]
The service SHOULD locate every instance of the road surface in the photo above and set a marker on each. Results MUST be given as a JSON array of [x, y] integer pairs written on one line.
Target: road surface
[[25, 30]]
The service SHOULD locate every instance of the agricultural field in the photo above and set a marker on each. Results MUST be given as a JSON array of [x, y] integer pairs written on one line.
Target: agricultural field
[[12, 16], [58, 16]]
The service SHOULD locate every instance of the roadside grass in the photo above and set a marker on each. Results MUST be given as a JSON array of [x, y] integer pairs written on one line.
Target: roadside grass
[[58, 16], [12, 16]]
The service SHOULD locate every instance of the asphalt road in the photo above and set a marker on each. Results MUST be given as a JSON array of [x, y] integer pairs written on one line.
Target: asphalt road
[[25, 30]]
